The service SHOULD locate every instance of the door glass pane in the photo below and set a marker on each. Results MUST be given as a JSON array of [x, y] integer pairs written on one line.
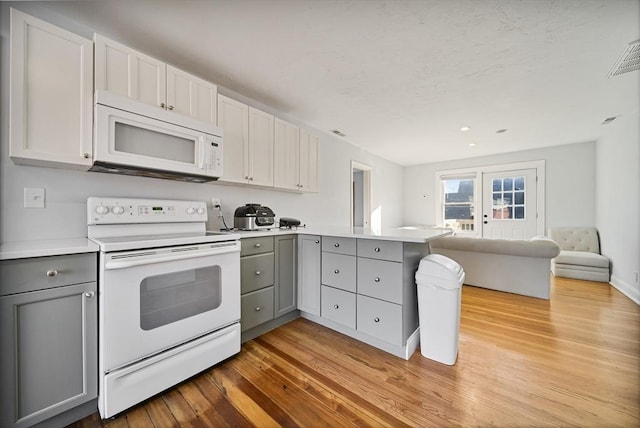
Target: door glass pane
[[497, 185], [145, 142], [519, 198], [171, 297], [508, 184], [506, 200], [518, 183], [518, 213]]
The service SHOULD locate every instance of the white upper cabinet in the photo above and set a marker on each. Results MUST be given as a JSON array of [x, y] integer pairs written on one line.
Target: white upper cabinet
[[248, 143], [296, 158], [51, 95], [132, 74]]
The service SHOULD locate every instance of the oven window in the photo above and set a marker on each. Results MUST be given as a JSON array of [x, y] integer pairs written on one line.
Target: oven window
[[145, 142], [171, 297]]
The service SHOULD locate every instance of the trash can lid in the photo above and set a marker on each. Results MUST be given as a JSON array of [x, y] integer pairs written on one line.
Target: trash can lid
[[437, 266]]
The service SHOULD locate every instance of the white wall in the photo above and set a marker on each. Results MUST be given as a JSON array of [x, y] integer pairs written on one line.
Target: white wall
[[570, 184], [618, 201], [67, 191]]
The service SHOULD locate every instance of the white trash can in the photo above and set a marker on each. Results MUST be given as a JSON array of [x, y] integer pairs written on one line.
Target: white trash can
[[439, 280]]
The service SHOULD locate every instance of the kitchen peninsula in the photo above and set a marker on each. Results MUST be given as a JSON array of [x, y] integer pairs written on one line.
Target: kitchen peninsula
[[359, 282]]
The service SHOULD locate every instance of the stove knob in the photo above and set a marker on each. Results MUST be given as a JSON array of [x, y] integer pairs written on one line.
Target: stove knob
[[117, 210], [190, 211], [101, 209], [200, 210]]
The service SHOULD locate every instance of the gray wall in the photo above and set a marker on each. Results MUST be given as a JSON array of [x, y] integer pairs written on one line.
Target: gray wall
[[67, 191], [618, 201], [570, 184]]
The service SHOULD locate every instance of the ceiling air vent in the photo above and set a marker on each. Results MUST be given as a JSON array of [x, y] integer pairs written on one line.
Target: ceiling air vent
[[335, 131], [628, 61]]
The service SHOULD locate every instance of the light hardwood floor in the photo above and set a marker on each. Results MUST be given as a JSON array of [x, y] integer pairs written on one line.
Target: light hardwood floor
[[571, 361]]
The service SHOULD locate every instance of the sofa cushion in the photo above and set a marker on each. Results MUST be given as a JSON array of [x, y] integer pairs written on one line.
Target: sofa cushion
[[576, 238], [535, 247], [582, 258]]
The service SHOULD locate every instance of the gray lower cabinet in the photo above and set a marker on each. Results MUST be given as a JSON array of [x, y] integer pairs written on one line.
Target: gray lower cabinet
[[48, 337], [309, 273], [268, 283]]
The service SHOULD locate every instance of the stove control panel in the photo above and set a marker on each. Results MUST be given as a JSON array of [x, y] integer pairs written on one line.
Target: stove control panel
[[130, 210]]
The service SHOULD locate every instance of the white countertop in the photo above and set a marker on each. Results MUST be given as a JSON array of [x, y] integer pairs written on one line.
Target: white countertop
[[403, 234], [45, 247]]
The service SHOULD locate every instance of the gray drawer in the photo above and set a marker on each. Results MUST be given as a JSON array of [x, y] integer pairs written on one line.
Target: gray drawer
[[380, 319], [256, 308], [380, 279], [256, 272], [334, 244], [39, 273], [339, 270], [250, 246], [338, 306], [382, 250]]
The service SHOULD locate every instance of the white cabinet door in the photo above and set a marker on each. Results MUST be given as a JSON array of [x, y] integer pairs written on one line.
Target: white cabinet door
[[233, 118], [129, 73], [286, 155], [308, 162], [191, 96], [260, 147], [51, 95]]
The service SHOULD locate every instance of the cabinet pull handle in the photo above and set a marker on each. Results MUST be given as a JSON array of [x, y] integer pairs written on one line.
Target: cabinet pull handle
[[258, 308], [86, 155], [258, 272], [250, 178], [89, 294], [376, 319], [377, 279], [258, 245], [336, 306], [336, 271], [246, 177], [377, 249], [52, 273], [162, 105], [170, 107], [317, 241], [336, 245]]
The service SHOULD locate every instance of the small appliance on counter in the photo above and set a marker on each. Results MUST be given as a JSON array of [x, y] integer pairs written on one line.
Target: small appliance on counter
[[289, 223], [253, 217]]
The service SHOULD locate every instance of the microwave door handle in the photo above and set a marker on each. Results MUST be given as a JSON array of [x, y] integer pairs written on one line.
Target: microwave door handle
[[201, 151]]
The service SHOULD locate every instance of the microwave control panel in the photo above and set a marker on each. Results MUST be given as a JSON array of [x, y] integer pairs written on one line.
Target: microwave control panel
[[213, 155], [129, 210]]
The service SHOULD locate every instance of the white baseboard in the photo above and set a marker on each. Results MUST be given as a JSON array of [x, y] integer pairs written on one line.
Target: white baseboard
[[627, 289]]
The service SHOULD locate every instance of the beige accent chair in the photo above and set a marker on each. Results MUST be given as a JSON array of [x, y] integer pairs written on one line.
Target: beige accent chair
[[580, 256]]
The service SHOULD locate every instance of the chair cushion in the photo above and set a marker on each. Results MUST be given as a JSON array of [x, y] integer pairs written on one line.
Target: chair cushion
[[582, 258]]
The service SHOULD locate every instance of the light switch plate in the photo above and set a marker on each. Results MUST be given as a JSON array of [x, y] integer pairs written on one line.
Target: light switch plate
[[33, 197]]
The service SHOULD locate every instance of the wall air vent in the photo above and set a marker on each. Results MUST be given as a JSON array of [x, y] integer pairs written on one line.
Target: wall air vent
[[628, 61], [335, 131]]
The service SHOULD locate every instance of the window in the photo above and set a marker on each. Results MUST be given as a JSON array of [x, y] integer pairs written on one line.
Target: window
[[508, 198], [458, 207]]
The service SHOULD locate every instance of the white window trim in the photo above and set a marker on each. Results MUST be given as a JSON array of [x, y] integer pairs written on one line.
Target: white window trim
[[538, 165]]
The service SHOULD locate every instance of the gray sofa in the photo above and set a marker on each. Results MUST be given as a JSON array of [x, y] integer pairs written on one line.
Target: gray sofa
[[580, 256], [515, 266]]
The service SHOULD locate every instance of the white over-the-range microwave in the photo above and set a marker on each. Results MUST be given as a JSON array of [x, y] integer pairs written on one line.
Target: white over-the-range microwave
[[138, 139]]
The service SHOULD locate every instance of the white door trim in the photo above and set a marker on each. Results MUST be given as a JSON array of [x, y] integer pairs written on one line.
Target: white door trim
[[366, 204]]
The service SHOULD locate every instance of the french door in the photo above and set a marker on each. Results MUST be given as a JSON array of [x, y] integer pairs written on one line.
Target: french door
[[509, 204]]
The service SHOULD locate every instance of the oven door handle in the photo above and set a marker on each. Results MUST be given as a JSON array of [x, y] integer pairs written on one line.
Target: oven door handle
[[147, 259]]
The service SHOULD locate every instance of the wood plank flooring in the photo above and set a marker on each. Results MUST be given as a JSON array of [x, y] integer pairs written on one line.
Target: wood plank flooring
[[570, 361]]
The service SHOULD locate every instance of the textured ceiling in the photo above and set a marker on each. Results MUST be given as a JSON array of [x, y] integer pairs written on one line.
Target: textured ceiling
[[400, 78]]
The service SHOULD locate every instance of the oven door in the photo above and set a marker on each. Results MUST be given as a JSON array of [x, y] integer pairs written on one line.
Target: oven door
[[152, 300]]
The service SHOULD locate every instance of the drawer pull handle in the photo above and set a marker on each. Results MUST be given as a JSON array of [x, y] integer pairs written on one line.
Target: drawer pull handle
[[376, 319], [377, 279], [317, 241], [258, 245], [52, 273], [258, 308], [258, 272], [377, 249], [336, 306], [336, 271], [89, 294], [336, 245]]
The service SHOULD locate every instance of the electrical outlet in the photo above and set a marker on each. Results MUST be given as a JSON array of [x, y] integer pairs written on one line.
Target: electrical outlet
[[215, 203], [33, 197], [635, 274]]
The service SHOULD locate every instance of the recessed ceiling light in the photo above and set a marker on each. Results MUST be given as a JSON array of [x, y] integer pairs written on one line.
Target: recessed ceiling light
[[501, 131], [465, 128], [472, 144]]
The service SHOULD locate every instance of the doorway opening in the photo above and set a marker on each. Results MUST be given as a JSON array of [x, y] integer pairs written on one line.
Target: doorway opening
[[360, 195]]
